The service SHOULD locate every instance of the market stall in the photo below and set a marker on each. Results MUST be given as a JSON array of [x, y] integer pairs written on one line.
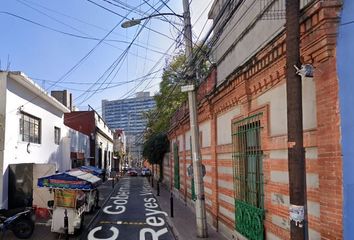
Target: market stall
[[74, 192]]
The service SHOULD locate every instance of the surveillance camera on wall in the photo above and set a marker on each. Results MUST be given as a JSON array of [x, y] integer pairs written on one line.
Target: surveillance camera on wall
[[305, 71]]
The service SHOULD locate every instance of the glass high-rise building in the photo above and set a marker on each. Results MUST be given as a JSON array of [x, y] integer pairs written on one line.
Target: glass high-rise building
[[128, 114]]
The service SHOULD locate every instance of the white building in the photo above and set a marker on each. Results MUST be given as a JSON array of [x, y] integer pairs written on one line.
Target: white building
[[101, 137], [32, 129]]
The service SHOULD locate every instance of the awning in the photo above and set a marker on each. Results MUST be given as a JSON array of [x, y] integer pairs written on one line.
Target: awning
[[70, 180], [91, 169]]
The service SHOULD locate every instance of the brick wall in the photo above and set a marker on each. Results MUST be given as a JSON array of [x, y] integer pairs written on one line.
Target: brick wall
[[258, 86]]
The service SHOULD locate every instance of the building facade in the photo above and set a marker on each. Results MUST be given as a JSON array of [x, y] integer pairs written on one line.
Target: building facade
[[91, 124], [32, 131], [128, 114], [119, 148], [242, 118]]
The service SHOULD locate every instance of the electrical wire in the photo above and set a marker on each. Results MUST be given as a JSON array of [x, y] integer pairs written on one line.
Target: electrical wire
[[216, 21], [79, 20], [206, 22], [131, 91], [167, 20], [72, 69], [141, 13], [126, 18], [125, 7], [87, 37], [118, 60], [128, 93], [90, 83]]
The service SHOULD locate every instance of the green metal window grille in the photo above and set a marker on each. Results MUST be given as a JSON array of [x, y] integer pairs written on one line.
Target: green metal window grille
[[248, 177], [176, 166]]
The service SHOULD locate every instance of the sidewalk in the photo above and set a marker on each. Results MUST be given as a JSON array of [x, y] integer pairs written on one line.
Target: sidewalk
[[183, 223], [42, 226]]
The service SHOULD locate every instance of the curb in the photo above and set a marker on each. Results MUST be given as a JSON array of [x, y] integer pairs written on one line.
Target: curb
[[173, 228], [169, 221]]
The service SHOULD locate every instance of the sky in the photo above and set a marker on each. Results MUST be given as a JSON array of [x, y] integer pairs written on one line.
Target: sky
[[80, 46]]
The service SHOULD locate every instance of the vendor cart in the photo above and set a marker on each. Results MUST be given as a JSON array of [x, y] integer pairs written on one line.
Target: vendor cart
[[74, 193]]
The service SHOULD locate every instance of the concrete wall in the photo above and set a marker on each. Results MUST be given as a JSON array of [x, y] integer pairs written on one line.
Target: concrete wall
[[17, 151], [224, 125], [100, 124], [41, 196], [18, 97], [3, 86], [106, 145], [204, 129], [345, 58], [276, 98], [252, 26], [188, 140]]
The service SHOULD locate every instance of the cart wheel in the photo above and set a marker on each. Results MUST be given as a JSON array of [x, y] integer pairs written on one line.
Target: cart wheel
[[79, 230], [82, 221], [92, 209]]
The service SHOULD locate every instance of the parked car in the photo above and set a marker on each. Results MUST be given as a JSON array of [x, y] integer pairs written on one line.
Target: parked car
[[145, 172], [132, 172]]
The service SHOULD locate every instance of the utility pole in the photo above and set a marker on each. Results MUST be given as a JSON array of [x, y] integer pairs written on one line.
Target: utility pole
[[296, 152], [202, 230]]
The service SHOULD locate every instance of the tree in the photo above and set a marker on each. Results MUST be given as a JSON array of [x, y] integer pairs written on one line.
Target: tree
[[154, 149], [170, 97], [168, 100]]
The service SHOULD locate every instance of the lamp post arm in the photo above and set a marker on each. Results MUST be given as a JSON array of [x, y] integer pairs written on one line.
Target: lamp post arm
[[133, 22], [161, 14]]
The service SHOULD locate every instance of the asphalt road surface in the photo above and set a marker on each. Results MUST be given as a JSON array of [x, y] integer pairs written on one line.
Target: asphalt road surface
[[131, 213]]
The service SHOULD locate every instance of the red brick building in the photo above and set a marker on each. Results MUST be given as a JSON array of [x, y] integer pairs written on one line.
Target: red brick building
[[242, 117], [101, 137]]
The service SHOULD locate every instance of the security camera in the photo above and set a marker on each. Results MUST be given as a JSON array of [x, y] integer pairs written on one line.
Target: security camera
[[305, 71]]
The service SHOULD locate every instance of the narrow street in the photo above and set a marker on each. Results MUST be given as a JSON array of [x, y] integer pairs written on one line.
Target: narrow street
[[132, 212]]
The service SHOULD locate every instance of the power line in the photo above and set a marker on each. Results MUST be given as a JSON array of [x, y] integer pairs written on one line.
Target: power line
[[164, 3], [79, 20], [126, 18], [115, 64], [218, 18], [206, 22], [124, 6], [72, 69], [90, 83], [87, 37], [141, 13], [129, 93], [103, 88], [172, 24]]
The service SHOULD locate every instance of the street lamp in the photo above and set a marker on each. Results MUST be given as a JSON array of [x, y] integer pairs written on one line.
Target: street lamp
[[133, 22], [202, 230]]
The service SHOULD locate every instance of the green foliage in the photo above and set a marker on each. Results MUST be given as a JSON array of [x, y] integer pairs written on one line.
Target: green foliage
[[155, 148], [168, 100], [170, 97]]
